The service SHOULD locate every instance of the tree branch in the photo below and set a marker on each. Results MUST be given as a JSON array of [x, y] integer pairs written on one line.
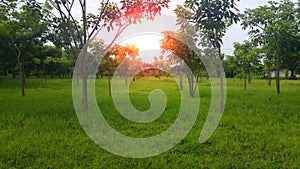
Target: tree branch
[[99, 19]]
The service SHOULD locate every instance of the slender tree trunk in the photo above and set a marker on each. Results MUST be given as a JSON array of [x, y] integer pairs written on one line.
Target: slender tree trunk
[[22, 76], [109, 86], [249, 78], [191, 84], [277, 76], [84, 79], [269, 76], [180, 82], [221, 81], [195, 85], [84, 65], [293, 74], [269, 81], [21, 70]]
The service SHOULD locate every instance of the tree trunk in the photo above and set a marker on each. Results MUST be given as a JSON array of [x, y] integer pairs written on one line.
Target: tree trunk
[[180, 82], [191, 84], [21, 70], [84, 65], [196, 84], [84, 79], [269, 76], [269, 81], [109, 86], [221, 82], [293, 74], [249, 78], [84, 92], [22, 76], [277, 76]]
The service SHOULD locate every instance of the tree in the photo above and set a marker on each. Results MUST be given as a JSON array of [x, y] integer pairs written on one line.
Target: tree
[[268, 66], [25, 24], [160, 64], [7, 58], [230, 67], [213, 18], [297, 71], [276, 27], [291, 61], [182, 44], [125, 57], [247, 59], [110, 15], [50, 60], [110, 65], [121, 57], [174, 42]]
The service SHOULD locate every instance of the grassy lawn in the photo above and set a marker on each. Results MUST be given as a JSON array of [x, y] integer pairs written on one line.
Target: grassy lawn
[[259, 129]]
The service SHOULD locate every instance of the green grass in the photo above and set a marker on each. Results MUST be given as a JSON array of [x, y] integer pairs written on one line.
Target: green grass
[[259, 129]]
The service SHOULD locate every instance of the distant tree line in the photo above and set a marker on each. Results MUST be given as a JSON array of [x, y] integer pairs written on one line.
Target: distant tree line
[[26, 25], [36, 43], [273, 46]]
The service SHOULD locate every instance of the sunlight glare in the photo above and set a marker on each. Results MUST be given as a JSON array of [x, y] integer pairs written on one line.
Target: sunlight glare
[[148, 44], [144, 42]]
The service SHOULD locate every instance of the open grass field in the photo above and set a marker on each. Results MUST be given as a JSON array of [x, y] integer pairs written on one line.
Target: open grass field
[[259, 129]]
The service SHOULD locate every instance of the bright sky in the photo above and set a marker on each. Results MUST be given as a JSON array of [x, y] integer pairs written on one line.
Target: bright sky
[[144, 41], [148, 44]]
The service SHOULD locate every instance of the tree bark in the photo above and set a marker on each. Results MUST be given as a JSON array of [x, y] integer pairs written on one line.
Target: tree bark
[[21, 70], [84, 78], [84, 65], [221, 82], [22, 76], [109, 86]]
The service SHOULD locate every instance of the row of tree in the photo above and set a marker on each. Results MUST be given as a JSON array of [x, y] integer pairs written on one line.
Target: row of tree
[[25, 24], [27, 27], [274, 43]]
